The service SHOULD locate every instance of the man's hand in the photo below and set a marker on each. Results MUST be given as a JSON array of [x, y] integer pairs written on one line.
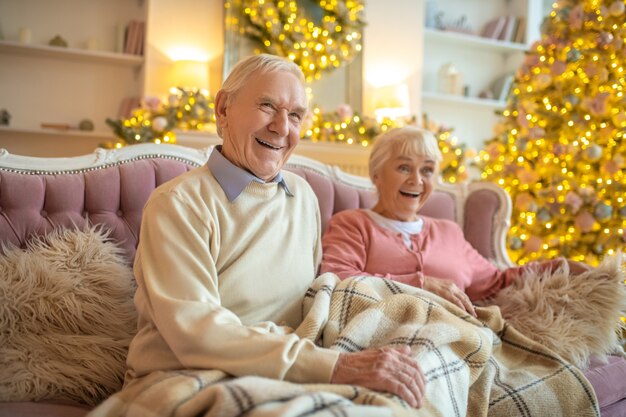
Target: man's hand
[[448, 290], [386, 369]]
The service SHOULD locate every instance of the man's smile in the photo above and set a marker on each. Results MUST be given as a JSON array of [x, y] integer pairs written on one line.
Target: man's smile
[[269, 145]]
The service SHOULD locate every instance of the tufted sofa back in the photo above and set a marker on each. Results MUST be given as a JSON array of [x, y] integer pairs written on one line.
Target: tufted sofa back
[[33, 204], [34, 201]]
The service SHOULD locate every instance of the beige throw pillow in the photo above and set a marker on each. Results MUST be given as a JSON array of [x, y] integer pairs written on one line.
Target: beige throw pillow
[[66, 318]]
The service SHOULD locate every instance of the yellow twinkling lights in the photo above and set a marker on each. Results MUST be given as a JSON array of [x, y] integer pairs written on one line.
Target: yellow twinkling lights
[[561, 153], [184, 109], [284, 29], [192, 109]]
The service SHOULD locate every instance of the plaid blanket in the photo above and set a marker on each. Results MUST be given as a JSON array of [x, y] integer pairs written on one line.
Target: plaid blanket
[[473, 367]]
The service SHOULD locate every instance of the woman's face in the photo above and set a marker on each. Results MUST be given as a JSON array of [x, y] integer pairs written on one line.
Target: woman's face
[[404, 184]]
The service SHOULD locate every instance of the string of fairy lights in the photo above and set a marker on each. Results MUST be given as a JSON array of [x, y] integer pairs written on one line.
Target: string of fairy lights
[[193, 109]]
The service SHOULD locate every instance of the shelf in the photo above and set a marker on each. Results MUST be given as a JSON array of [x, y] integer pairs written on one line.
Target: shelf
[[472, 101], [460, 39], [80, 55]]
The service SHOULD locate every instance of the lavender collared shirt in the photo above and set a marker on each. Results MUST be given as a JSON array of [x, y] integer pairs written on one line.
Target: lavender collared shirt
[[233, 179]]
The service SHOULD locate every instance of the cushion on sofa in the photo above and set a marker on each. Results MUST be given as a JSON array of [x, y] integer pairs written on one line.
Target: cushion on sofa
[[576, 316], [66, 318], [614, 410], [42, 409], [608, 379]]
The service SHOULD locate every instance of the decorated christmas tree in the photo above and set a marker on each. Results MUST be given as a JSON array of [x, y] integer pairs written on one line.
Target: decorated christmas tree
[[560, 149]]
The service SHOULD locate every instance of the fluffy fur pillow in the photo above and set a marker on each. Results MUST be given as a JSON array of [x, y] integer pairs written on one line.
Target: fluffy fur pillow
[[66, 318], [575, 316]]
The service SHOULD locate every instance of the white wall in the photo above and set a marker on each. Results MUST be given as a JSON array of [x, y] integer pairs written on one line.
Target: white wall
[[184, 29], [393, 48], [392, 44]]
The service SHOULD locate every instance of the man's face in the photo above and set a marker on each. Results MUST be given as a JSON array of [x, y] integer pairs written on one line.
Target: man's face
[[261, 125]]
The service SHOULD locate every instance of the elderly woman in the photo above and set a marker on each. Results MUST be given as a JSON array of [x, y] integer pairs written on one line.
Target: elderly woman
[[393, 241]]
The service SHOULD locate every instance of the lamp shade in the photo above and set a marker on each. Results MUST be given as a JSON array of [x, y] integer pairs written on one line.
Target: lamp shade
[[189, 74], [391, 101]]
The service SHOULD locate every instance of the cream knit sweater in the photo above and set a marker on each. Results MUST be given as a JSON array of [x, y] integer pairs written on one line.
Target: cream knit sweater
[[219, 281]]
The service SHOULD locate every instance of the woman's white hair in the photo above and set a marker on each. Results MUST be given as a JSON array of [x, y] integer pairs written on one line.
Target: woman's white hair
[[407, 140], [253, 65]]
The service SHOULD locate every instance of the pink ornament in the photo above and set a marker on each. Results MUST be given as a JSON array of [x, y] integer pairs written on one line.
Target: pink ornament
[[527, 177], [536, 132], [521, 118], [603, 75], [345, 111], [558, 68], [591, 70], [172, 100], [531, 60], [617, 8], [574, 201], [533, 244], [597, 105], [152, 103], [576, 17], [542, 81], [615, 165], [559, 149], [605, 39], [159, 123], [587, 193], [524, 201], [493, 150], [585, 221]]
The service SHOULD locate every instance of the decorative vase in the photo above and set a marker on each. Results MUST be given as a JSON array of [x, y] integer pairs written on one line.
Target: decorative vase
[[450, 80]]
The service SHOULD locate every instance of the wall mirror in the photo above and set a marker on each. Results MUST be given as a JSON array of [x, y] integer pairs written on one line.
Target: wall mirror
[[340, 86]]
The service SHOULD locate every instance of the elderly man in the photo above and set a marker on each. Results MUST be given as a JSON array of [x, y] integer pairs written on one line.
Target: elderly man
[[228, 250]]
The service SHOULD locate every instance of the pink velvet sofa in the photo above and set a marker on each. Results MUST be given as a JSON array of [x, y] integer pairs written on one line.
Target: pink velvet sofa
[[38, 195]]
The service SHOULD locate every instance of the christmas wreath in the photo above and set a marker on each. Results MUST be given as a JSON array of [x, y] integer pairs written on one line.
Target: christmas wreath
[[283, 29]]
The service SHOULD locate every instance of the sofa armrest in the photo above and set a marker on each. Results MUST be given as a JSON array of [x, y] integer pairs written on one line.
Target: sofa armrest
[[486, 221]]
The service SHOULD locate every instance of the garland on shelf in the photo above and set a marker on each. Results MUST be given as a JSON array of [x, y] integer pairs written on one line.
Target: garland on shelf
[[345, 126], [283, 29], [193, 109], [155, 121]]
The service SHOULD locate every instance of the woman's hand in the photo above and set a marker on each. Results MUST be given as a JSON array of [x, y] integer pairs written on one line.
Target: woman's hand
[[386, 369], [448, 290]]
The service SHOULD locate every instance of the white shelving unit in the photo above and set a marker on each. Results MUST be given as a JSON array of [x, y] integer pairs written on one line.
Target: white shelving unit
[[480, 61], [462, 100], [70, 54], [65, 85]]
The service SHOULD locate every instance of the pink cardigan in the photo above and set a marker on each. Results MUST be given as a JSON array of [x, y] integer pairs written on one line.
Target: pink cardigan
[[354, 244]]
